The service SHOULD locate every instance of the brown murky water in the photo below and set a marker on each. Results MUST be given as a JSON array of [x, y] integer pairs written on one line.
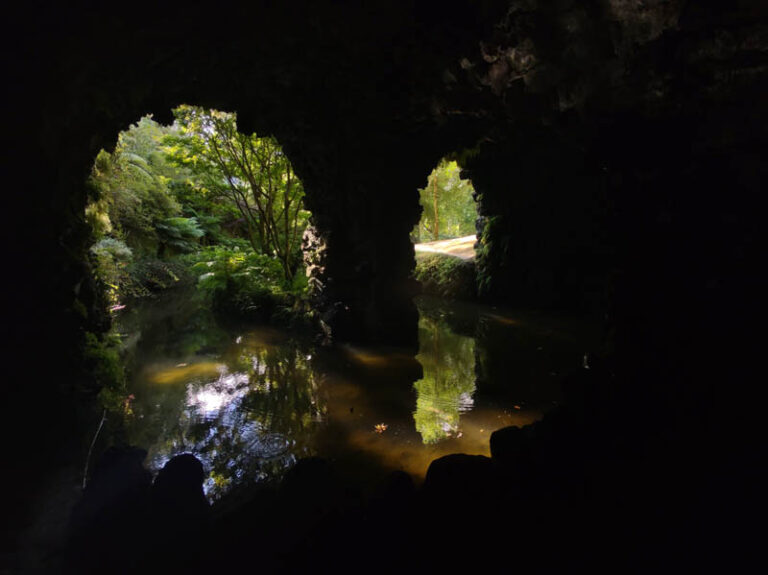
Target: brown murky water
[[249, 401]]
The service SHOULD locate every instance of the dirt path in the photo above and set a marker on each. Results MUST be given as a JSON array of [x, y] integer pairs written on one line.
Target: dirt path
[[462, 248]]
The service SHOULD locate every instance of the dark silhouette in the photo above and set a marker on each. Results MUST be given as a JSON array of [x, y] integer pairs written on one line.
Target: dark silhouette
[[178, 501], [109, 523], [619, 153]]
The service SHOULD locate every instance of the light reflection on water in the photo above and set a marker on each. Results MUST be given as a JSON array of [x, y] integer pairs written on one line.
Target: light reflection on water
[[250, 401], [207, 401], [447, 388]]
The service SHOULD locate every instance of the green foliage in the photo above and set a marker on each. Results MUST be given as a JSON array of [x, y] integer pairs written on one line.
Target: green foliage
[[97, 212], [151, 275], [448, 206], [167, 191], [121, 275], [282, 397], [209, 225], [180, 233], [102, 359], [446, 389], [245, 175], [238, 281], [111, 257], [129, 188], [112, 248], [446, 276], [213, 214]]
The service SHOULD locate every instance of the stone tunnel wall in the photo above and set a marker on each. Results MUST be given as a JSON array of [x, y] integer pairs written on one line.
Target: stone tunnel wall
[[652, 117], [545, 238], [361, 219], [604, 135]]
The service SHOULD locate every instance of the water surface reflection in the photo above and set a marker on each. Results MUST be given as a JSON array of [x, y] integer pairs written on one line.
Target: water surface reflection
[[250, 401], [448, 384]]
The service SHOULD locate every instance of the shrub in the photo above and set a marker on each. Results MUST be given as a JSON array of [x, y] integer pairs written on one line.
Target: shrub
[[446, 276], [240, 282], [148, 276], [180, 234], [101, 354], [111, 257]]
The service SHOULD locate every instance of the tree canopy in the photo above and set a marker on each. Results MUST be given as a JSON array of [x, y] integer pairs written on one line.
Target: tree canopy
[[132, 199], [230, 203], [249, 173], [448, 206]]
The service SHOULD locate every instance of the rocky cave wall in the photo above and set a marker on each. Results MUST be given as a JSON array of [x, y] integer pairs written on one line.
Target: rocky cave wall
[[600, 135], [663, 104]]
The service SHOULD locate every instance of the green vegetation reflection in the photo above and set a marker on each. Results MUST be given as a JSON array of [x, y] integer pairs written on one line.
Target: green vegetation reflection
[[446, 389], [247, 414]]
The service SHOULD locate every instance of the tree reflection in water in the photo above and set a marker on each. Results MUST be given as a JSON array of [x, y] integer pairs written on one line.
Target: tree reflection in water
[[250, 401], [448, 384], [249, 422]]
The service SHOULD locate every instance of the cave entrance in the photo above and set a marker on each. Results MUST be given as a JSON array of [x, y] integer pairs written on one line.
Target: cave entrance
[[198, 202], [448, 207], [195, 228], [444, 238], [177, 247]]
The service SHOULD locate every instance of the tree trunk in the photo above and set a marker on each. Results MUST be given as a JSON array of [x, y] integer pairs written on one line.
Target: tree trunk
[[437, 214]]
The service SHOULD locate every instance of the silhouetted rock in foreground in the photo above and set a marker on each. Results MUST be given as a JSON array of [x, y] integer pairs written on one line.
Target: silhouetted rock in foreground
[[180, 516], [468, 478], [177, 493], [509, 444], [111, 519], [124, 522]]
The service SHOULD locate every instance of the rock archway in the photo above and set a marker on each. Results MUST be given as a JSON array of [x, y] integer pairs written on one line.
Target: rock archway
[[577, 121], [602, 137]]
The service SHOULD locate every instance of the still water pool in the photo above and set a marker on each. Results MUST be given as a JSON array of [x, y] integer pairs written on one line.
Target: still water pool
[[249, 401]]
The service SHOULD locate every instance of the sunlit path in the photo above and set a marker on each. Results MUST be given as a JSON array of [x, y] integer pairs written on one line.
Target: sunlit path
[[463, 248]]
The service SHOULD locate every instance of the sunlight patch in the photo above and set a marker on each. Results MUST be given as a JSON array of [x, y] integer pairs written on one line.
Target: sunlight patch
[[209, 399]]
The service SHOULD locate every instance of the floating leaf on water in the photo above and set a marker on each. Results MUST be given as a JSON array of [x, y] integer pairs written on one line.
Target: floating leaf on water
[[380, 427]]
